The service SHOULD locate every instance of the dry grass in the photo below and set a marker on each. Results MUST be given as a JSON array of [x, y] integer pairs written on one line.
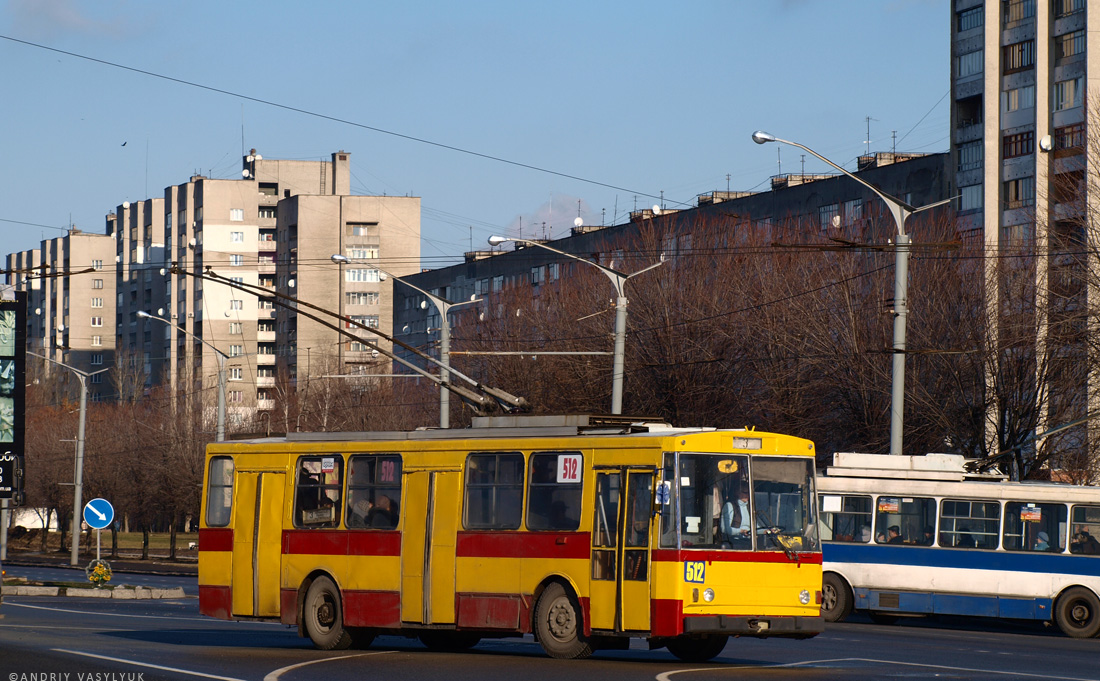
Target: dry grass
[[129, 543]]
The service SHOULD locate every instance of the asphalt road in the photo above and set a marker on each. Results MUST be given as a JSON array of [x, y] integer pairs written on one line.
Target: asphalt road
[[168, 640]]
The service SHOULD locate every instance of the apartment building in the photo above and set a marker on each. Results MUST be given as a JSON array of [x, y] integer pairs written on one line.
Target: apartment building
[[378, 236], [1024, 73], [70, 304]]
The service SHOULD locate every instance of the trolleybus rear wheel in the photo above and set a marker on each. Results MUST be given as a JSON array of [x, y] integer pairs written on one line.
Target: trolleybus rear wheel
[[698, 649], [323, 616], [1077, 613], [559, 626], [836, 600]]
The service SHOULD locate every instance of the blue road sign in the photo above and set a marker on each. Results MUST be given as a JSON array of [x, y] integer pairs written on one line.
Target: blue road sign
[[99, 513]]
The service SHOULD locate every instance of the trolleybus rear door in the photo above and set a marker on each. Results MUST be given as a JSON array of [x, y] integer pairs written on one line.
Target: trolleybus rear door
[[620, 591], [257, 536], [431, 512]]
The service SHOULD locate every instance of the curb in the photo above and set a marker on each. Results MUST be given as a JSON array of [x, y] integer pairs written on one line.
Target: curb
[[119, 592]]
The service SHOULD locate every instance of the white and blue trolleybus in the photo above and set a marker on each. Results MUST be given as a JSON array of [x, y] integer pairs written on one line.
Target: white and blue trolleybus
[[919, 535]]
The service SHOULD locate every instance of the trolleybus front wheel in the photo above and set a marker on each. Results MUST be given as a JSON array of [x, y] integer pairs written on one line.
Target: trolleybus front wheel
[[323, 616], [836, 599], [1077, 613], [698, 649], [559, 626]]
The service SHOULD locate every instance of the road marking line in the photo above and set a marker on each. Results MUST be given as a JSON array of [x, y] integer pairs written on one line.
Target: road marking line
[[146, 664], [208, 620], [665, 676], [274, 676]]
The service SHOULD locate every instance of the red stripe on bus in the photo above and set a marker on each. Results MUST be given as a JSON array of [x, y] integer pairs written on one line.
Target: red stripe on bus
[[288, 606], [674, 556], [665, 616], [523, 545], [341, 543], [492, 611], [216, 601], [215, 539], [372, 609]]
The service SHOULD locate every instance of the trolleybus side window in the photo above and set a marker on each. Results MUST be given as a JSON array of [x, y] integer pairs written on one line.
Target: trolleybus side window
[[374, 491], [668, 501], [1031, 526], [219, 499], [846, 518], [554, 491], [494, 491], [317, 491], [1084, 530], [906, 520], [969, 524]]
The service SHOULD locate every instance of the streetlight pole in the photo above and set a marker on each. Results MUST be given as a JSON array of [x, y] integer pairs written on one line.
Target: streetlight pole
[[900, 210], [618, 280], [78, 473], [222, 357], [443, 307]]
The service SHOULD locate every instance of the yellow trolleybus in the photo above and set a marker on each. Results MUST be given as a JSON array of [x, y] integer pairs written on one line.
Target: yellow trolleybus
[[584, 531]]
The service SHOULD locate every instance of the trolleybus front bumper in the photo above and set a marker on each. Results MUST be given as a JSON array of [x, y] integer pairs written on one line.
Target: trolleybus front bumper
[[763, 627]]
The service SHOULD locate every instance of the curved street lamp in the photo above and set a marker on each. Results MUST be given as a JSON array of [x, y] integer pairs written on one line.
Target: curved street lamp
[[618, 280], [900, 210], [222, 357], [443, 306]]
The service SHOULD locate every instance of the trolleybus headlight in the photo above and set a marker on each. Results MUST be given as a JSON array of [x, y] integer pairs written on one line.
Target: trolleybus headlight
[[804, 597], [708, 595]]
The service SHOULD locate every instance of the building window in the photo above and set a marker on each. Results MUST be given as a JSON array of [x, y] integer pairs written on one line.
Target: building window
[[969, 18], [498, 283], [1064, 8], [1019, 98], [1069, 45], [97, 283], [97, 302], [969, 64], [1020, 144], [1067, 93], [236, 396], [97, 264], [236, 304], [97, 378], [370, 276], [361, 298], [236, 214], [1018, 56], [236, 350], [97, 341], [1016, 11], [359, 229], [362, 252], [97, 359], [236, 374], [235, 328], [97, 321], [236, 260], [970, 155], [236, 237], [1019, 193], [970, 198], [268, 212], [266, 303], [827, 213], [1069, 137], [853, 211], [368, 320], [536, 275]]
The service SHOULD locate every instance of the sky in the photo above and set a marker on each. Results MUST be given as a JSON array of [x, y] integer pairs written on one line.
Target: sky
[[502, 116]]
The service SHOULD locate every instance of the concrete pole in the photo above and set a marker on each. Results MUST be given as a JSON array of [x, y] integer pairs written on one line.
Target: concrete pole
[[444, 375], [901, 313], [78, 485], [619, 361], [221, 396]]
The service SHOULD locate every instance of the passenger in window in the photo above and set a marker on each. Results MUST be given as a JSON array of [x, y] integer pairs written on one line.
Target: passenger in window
[[928, 536], [964, 540], [894, 535], [1083, 542], [384, 513], [865, 534], [736, 519], [1042, 542], [360, 511]]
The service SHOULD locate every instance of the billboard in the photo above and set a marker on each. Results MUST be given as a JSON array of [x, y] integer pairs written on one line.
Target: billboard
[[13, 360]]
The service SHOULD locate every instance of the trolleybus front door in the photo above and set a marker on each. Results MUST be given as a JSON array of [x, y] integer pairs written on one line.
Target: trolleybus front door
[[428, 546], [620, 591], [257, 536]]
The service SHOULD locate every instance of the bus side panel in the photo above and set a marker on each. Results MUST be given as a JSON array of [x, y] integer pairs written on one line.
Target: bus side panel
[[372, 587], [307, 552], [215, 564]]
